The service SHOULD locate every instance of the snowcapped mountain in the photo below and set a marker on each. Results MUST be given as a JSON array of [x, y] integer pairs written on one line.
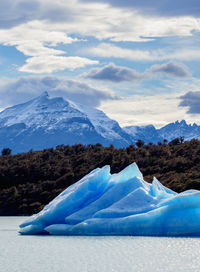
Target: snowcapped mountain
[[169, 132], [178, 129], [46, 122]]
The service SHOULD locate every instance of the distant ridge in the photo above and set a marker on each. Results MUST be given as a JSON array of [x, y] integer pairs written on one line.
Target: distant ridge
[[169, 132], [178, 129], [46, 122]]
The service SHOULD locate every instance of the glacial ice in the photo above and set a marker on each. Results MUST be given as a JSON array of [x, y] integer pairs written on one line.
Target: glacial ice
[[118, 204]]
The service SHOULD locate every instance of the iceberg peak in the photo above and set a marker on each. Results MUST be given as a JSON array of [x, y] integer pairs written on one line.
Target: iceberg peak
[[129, 172], [118, 204]]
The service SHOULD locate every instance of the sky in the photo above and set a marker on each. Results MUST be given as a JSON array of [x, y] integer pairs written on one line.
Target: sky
[[138, 61]]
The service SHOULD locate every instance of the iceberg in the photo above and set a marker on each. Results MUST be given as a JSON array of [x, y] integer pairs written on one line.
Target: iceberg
[[118, 204]]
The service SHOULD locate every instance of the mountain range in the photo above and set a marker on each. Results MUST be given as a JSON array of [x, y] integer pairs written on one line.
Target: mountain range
[[46, 122]]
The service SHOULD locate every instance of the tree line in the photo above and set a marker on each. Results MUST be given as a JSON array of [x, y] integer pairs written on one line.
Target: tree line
[[28, 181]]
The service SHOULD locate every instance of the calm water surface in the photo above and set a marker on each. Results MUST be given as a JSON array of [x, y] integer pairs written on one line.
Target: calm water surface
[[93, 254]]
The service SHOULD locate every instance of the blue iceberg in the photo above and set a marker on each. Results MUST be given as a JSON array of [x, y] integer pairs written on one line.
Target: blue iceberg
[[118, 204]]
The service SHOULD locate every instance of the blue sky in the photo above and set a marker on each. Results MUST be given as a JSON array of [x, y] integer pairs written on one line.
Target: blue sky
[[138, 61]]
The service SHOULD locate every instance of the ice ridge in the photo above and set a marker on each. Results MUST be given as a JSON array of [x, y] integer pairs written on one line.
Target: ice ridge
[[118, 204]]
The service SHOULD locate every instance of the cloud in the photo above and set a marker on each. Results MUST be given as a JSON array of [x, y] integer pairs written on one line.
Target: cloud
[[190, 54], [49, 64], [117, 74], [192, 101], [36, 42], [172, 69], [15, 12], [157, 7], [17, 91], [37, 29], [155, 105], [34, 31], [100, 20], [158, 110], [108, 50], [35, 48], [114, 73]]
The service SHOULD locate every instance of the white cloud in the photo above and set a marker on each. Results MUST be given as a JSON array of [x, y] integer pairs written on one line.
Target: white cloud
[[99, 20], [154, 105], [36, 48], [144, 110], [49, 64], [102, 20], [107, 50], [190, 54], [119, 24], [33, 40], [34, 30], [37, 28]]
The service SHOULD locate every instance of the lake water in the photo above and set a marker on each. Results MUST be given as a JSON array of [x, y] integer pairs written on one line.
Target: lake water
[[93, 254]]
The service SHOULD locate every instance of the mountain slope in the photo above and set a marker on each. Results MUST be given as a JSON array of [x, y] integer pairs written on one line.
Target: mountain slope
[[179, 129], [169, 132], [146, 133], [46, 122]]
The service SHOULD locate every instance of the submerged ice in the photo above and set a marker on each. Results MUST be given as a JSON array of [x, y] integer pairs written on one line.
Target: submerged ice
[[118, 204]]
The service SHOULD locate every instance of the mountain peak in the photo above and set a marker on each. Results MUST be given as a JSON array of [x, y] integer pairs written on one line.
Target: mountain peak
[[182, 122], [44, 94], [42, 98], [46, 122], [178, 129]]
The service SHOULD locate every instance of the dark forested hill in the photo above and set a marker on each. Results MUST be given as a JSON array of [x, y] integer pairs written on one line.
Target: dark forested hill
[[29, 181]]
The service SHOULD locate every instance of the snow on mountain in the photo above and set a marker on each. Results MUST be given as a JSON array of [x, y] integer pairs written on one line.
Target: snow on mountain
[[169, 132], [146, 133], [46, 122], [40, 112], [179, 129], [105, 126]]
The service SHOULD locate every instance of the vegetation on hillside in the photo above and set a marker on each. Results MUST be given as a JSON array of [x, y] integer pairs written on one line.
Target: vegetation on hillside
[[29, 181]]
